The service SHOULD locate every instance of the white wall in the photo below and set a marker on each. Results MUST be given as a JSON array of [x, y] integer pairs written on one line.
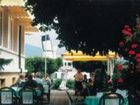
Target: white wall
[[14, 65]]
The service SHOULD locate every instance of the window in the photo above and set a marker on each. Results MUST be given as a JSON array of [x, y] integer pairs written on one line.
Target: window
[[14, 80], [69, 64], [62, 75], [2, 83]]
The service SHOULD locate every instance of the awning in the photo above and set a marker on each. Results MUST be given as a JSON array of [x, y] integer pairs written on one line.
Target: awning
[[12, 3], [79, 56], [16, 10]]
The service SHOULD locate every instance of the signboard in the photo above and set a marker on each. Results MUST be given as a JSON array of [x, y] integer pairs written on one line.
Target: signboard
[[46, 43], [46, 88]]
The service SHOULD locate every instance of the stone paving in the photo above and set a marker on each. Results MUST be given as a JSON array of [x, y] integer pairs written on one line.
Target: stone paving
[[75, 100], [63, 97], [59, 97]]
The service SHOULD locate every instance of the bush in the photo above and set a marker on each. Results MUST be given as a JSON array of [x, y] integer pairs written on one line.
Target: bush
[[70, 84], [57, 83]]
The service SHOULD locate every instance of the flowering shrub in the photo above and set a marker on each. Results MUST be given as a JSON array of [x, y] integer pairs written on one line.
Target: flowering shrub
[[120, 73], [129, 45], [129, 49]]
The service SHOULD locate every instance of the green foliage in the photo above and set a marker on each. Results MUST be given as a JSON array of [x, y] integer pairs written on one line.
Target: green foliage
[[77, 20], [59, 62], [38, 64], [57, 83], [129, 45], [4, 62], [120, 72], [34, 64], [70, 84], [51, 66]]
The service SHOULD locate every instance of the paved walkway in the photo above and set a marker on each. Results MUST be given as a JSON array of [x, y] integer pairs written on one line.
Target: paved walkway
[[59, 98], [75, 100]]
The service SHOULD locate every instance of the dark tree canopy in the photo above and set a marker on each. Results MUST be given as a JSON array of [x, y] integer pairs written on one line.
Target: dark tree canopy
[[88, 25]]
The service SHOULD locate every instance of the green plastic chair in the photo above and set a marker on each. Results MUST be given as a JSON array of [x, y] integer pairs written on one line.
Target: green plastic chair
[[39, 94], [7, 96], [111, 99], [27, 96]]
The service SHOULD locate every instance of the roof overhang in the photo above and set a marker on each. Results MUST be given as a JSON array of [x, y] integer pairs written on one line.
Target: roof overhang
[[12, 3], [17, 11], [79, 56]]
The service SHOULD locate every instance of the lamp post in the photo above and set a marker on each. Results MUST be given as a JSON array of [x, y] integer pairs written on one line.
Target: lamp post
[[45, 46]]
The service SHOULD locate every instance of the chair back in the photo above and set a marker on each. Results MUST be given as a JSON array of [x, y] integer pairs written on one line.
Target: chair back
[[27, 96], [39, 94], [46, 87], [111, 99], [7, 95], [41, 89]]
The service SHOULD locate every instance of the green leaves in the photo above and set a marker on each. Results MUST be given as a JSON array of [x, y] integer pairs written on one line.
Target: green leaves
[[4, 62], [38, 64], [85, 24]]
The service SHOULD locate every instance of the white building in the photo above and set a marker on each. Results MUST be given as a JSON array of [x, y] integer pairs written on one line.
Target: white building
[[66, 73], [14, 23]]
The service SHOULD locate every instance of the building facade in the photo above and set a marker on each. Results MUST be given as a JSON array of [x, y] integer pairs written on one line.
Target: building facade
[[14, 23]]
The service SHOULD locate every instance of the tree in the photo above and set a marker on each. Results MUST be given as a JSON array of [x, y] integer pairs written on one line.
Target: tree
[[51, 66], [59, 62], [34, 64], [86, 25], [38, 64]]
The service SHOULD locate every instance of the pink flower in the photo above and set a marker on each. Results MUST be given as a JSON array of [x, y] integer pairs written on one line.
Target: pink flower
[[120, 80], [126, 26], [121, 44], [134, 45], [138, 55], [132, 52], [129, 29], [138, 60], [126, 32], [120, 67]]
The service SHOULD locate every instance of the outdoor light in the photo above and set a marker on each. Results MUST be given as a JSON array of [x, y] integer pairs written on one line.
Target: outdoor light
[[46, 46]]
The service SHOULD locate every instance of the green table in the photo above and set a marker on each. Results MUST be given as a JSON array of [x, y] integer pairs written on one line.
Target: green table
[[17, 89], [94, 100]]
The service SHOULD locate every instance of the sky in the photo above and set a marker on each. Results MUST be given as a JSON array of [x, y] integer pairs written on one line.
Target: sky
[[35, 40]]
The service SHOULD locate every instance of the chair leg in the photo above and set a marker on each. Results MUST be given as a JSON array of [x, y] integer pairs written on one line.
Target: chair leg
[[48, 97]]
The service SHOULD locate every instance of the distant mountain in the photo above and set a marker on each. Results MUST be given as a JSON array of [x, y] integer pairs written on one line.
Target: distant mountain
[[32, 51]]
